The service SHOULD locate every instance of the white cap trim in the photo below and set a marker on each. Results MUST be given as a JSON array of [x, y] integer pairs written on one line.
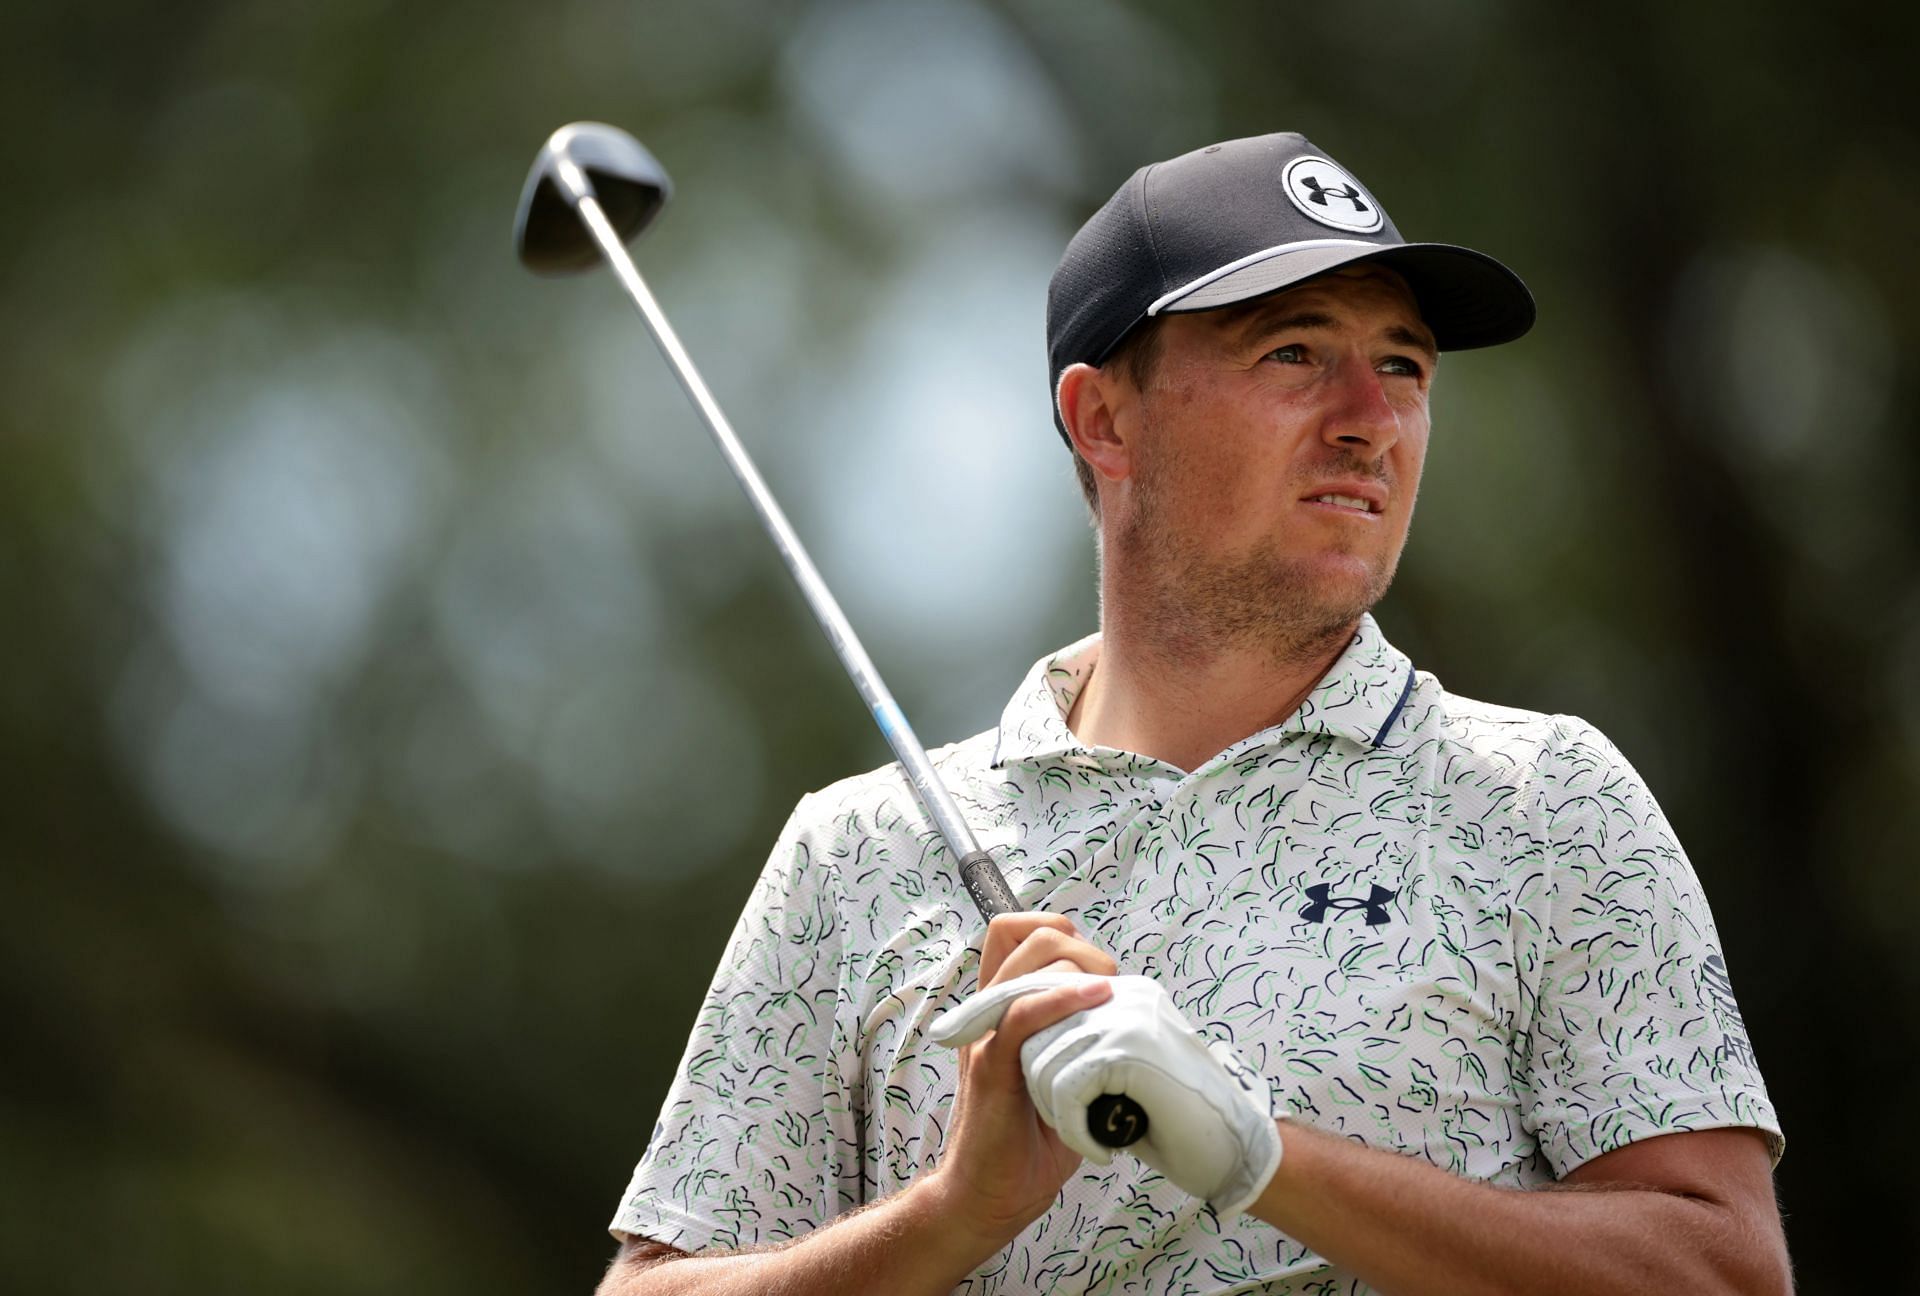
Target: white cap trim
[[1252, 258]]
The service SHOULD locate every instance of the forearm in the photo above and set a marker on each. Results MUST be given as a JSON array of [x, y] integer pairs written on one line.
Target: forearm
[[1409, 1228], [1000, 1166], [907, 1243]]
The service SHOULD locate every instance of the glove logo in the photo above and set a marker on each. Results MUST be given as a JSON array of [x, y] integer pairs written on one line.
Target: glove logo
[[1375, 904]]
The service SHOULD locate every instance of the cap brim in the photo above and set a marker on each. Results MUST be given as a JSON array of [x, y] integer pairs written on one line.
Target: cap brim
[[1467, 298]]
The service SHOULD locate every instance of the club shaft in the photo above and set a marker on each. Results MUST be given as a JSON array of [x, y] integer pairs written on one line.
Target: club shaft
[[981, 878]]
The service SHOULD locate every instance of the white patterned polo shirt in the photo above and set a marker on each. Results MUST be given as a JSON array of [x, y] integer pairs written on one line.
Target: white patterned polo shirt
[[1447, 929]]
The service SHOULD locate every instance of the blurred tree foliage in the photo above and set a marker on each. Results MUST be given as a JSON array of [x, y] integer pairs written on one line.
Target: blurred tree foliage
[[387, 757]]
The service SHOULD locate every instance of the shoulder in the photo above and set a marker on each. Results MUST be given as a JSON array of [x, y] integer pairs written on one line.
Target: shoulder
[[1531, 759], [861, 850], [880, 802], [867, 840], [1498, 736]]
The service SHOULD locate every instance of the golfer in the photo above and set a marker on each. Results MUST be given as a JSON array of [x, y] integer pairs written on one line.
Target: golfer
[[1417, 994]]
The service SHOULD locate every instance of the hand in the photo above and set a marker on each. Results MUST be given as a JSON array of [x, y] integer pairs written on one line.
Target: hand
[[1002, 1166], [1210, 1125]]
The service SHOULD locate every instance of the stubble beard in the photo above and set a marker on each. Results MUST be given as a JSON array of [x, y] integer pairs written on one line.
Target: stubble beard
[[1188, 606]]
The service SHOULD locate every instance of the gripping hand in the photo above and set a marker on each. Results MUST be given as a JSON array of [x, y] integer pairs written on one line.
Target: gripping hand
[[1210, 1126]]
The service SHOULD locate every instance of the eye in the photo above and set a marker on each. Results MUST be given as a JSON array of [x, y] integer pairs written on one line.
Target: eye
[[1293, 353], [1402, 366]]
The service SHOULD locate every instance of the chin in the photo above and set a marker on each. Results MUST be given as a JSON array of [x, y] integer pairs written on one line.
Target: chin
[[1339, 578], [1328, 593]]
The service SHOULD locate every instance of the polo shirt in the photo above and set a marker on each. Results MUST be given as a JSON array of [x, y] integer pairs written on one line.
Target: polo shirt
[[1447, 929]]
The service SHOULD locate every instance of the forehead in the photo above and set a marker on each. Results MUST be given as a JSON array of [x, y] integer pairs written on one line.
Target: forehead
[[1368, 294]]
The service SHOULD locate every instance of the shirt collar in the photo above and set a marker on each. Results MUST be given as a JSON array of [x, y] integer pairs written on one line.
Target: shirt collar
[[1358, 699]]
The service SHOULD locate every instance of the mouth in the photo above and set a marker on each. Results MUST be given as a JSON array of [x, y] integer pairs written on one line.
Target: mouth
[[1358, 505]]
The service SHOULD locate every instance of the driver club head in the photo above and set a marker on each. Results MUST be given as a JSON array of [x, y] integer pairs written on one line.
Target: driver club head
[[631, 186]]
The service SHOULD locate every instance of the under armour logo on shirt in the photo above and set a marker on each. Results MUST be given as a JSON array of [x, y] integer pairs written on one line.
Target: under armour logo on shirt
[[1375, 904]]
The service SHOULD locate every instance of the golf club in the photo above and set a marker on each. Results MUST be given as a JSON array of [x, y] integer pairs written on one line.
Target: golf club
[[592, 188]]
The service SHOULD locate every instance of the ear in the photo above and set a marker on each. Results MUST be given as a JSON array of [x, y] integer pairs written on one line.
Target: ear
[[1090, 410]]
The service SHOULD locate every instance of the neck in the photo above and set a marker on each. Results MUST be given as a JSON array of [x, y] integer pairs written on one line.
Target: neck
[[1184, 702]]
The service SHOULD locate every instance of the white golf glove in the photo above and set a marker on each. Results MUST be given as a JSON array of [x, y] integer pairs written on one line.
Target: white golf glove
[[1210, 1123]]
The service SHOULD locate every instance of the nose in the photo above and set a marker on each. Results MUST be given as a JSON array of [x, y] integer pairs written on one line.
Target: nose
[[1361, 420]]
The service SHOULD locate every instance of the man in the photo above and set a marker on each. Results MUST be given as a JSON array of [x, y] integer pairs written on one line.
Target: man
[[1457, 942]]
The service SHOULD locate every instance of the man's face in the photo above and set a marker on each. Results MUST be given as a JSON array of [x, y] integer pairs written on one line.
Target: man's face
[[1276, 455]]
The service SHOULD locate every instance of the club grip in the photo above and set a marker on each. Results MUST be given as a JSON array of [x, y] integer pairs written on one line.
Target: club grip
[[1114, 1120], [989, 889]]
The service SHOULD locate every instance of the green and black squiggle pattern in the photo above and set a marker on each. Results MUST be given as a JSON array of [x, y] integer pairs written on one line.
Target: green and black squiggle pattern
[[1445, 928]]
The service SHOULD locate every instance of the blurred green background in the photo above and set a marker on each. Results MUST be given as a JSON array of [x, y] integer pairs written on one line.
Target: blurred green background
[[396, 699]]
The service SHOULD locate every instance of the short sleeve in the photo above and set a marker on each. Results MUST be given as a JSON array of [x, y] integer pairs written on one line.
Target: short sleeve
[[1634, 1031], [747, 1146]]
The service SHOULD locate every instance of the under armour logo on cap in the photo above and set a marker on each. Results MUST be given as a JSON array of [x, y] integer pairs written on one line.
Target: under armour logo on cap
[[1331, 196], [1318, 193], [1375, 904]]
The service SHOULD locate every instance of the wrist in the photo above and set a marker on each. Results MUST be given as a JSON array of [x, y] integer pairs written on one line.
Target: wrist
[[948, 1222], [1291, 1176]]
